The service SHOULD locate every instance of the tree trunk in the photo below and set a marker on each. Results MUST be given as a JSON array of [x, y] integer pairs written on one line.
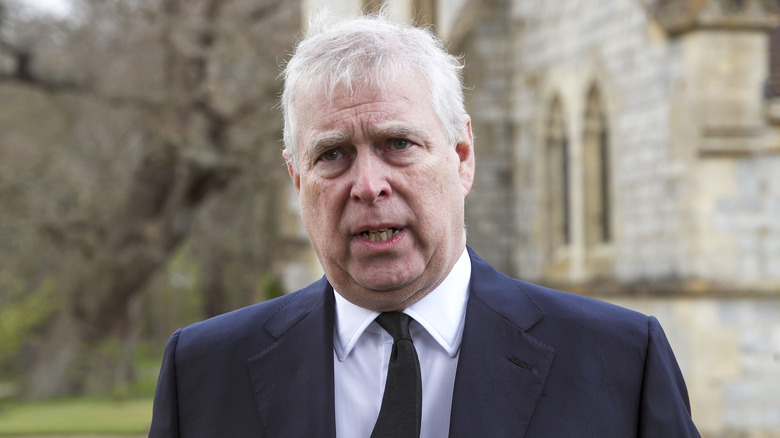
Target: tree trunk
[[87, 335], [58, 352]]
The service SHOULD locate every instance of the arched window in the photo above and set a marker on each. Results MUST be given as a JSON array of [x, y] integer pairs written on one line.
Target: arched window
[[596, 166], [557, 178]]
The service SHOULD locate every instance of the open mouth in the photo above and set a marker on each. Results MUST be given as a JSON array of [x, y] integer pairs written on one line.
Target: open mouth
[[380, 235]]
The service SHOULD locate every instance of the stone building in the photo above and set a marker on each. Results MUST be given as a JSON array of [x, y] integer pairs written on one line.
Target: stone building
[[629, 150]]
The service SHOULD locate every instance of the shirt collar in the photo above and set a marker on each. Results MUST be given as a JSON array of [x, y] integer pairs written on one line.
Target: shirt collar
[[441, 312]]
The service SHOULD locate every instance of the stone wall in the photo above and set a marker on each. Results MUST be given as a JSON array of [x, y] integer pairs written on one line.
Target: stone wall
[[688, 140], [566, 47], [487, 52], [695, 192], [750, 215]]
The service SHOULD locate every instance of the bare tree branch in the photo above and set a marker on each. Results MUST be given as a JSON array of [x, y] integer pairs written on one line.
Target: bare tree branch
[[186, 93]]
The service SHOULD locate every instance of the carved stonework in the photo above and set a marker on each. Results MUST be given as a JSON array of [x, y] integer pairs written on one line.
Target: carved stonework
[[680, 16]]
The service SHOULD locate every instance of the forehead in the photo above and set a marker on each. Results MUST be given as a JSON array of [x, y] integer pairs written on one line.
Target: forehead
[[400, 100]]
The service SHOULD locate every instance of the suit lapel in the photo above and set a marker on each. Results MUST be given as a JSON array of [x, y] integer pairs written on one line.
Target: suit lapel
[[292, 377], [501, 369]]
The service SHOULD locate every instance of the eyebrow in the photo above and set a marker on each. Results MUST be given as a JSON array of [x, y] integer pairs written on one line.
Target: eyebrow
[[392, 131], [331, 140]]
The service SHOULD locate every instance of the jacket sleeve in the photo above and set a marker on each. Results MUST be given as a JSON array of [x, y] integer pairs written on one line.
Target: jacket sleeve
[[165, 414], [665, 410]]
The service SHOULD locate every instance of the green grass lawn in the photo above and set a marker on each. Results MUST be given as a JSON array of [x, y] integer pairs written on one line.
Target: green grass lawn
[[124, 411], [78, 416]]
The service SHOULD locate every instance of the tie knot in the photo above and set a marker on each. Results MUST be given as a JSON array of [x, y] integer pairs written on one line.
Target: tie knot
[[395, 323]]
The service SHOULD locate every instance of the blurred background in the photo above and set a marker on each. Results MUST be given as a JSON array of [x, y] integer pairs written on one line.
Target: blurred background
[[627, 150]]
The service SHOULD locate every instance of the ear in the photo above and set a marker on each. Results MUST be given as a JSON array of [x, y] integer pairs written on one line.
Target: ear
[[296, 178], [465, 151]]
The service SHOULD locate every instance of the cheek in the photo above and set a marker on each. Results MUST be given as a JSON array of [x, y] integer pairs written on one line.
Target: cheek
[[438, 199], [444, 182], [319, 204], [310, 198]]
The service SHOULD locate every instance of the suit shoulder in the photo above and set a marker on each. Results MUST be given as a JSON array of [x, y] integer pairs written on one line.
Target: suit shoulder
[[565, 309], [571, 302], [530, 306], [248, 322]]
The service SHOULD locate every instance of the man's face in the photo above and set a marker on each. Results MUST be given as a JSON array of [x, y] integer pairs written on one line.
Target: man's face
[[381, 191]]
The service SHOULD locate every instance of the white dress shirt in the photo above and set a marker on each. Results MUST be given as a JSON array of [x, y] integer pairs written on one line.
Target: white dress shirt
[[362, 351]]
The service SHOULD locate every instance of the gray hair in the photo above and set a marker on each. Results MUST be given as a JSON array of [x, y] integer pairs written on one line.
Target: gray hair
[[365, 51]]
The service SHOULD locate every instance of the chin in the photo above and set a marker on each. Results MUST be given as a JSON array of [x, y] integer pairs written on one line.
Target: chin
[[385, 287]]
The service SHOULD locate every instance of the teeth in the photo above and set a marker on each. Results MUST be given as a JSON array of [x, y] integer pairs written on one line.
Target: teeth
[[380, 235]]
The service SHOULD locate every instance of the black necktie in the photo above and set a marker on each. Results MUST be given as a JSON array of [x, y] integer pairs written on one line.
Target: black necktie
[[401, 410]]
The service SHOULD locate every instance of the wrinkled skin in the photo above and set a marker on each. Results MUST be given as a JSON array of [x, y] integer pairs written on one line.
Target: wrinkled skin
[[375, 160]]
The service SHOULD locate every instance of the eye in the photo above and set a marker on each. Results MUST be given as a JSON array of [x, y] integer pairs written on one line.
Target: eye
[[399, 143], [332, 155]]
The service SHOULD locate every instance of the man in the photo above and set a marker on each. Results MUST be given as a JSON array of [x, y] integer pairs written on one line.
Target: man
[[380, 151]]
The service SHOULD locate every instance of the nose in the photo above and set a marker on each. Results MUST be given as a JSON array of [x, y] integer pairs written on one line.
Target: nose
[[370, 178]]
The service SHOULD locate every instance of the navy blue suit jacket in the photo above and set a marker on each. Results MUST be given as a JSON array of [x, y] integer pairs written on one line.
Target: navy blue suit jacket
[[533, 362]]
